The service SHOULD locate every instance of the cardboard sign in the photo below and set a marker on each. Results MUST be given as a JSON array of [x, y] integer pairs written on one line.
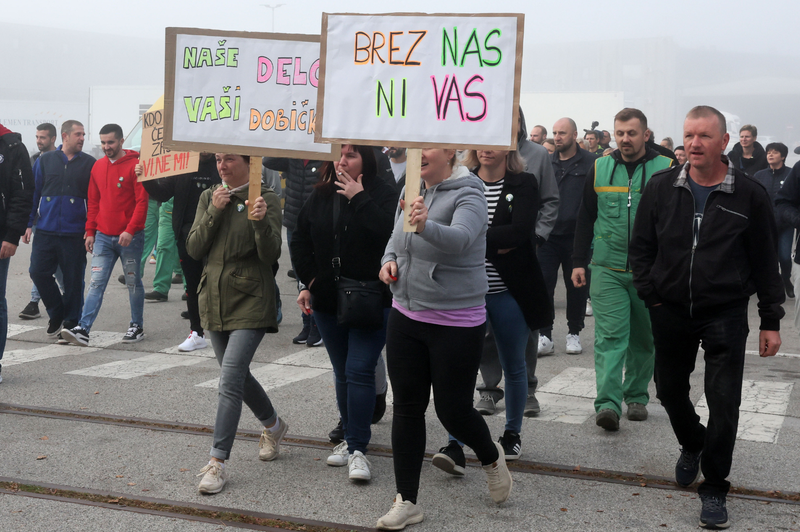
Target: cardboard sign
[[157, 160], [416, 80], [245, 93]]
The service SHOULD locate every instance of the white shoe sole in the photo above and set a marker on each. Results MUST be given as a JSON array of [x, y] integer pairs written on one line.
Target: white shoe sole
[[67, 335], [412, 520]]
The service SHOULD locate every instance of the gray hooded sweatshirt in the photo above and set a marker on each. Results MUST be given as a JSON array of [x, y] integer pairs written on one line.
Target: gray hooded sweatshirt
[[443, 267], [537, 161]]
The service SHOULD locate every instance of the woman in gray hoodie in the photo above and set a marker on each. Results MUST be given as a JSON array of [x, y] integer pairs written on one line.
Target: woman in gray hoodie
[[436, 327]]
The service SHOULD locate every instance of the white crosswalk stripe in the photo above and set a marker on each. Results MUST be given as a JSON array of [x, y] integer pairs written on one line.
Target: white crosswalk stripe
[[761, 414], [21, 356], [15, 329], [305, 364], [567, 397], [137, 367]]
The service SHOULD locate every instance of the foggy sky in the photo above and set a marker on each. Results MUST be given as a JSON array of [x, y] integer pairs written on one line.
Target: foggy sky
[[734, 25]]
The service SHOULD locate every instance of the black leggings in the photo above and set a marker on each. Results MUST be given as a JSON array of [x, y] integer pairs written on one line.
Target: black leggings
[[419, 355], [192, 272]]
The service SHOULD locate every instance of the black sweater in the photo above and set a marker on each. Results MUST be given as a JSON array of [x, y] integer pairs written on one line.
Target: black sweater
[[365, 225], [758, 162], [16, 187]]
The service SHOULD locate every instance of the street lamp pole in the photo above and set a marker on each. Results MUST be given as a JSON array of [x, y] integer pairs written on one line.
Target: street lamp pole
[[273, 8]]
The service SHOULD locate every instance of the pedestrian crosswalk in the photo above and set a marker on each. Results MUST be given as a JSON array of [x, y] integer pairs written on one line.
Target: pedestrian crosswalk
[[568, 397]]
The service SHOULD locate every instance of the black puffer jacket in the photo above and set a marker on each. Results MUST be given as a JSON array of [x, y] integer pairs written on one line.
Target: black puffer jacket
[[301, 176], [16, 186], [759, 159]]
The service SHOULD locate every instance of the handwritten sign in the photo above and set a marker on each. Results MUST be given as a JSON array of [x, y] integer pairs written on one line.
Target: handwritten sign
[[240, 92], [420, 80], [157, 160]]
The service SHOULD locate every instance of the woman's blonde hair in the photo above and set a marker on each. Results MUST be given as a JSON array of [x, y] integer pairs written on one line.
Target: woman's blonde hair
[[515, 164]]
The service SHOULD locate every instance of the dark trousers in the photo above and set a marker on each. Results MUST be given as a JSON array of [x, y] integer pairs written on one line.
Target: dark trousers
[[48, 253], [420, 355], [492, 371], [555, 253], [192, 272], [723, 337], [785, 241]]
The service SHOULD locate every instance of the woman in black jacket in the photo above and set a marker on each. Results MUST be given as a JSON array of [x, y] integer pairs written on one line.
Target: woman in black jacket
[[363, 224]]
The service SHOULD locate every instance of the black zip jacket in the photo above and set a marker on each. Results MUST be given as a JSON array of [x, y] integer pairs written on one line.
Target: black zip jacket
[[787, 203], [186, 190], [364, 227], [16, 187], [772, 181], [718, 264], [570, 189], [759, 159]]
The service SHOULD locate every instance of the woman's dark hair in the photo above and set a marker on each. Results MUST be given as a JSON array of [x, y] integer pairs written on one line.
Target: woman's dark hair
[[369, 169]]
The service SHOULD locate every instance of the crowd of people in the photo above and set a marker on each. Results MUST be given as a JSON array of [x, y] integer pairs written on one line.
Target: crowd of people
[[662, 245]]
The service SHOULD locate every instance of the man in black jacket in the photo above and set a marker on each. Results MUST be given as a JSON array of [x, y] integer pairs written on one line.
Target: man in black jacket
[[748, 155], [703, 243], [787, 210], [16, 187]]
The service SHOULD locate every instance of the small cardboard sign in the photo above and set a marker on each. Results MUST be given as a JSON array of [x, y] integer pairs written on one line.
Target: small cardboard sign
[[157, 160], [420, 80]]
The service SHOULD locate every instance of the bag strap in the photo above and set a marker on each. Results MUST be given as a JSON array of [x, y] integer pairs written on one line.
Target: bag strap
[[336, 261]]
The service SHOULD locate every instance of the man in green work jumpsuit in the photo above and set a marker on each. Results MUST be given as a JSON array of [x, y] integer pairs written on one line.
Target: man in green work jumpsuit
[[623, 338]]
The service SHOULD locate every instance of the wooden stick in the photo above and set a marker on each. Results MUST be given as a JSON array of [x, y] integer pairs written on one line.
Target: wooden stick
[[255, 184], [413, 167]]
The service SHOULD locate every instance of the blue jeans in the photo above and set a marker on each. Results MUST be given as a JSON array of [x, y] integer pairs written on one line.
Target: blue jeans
[[106, 252], [234, 351], [511, 334], [4, 263], [785, 241], [354, 354], [50, 252]]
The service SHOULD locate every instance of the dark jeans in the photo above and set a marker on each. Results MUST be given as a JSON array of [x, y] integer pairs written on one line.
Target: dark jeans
[[354, 354], [492, 371], [723, 337], [557, 251], [50, 252], [4, 264], [785, 241], [420, 355], [192, 272]]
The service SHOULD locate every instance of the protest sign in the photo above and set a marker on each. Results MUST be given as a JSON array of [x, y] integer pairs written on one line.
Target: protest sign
[[244, 93], [157, 160], [419, 80]]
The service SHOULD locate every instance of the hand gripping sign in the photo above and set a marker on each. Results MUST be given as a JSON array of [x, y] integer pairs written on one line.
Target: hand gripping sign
[[245, 93], [420, 81]]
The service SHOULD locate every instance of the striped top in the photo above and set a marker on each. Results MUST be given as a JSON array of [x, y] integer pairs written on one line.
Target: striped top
[[493, 192]]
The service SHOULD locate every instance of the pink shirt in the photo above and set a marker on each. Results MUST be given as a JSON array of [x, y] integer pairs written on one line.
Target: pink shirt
[[461, 317]]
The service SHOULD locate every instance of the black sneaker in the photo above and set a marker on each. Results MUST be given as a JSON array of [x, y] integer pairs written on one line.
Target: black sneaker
[[121, 279], [303, 336], [135, 334], [380, 407], [291, 274], [314, 338], [30, 312], [450, 459], [156, 296], [185, 314], [512, 445], [54, 327], [177, 279], [714, 515], [185, 296], [687, 470], [77, 336], [337, 434]]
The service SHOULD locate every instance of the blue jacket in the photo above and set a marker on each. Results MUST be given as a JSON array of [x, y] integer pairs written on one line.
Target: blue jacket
[[61, 191]]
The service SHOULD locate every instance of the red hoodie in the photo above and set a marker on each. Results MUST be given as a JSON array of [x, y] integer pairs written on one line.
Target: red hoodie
[[117, 203]]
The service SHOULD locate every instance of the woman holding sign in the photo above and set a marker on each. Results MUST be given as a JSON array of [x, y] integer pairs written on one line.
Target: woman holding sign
[[237, 303], [339, 240], [437, 326]]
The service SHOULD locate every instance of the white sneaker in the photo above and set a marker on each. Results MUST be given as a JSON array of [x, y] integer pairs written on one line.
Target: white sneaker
[[339, 456], [546, 346], [574, 344], [359, 466], [214, 478], [589, 311], [403, 513], [498, 477], [194, 341], [270, 443]]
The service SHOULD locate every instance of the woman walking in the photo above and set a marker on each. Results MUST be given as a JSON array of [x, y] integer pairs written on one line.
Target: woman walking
[[436, 327], [341, 233], [237, 304]]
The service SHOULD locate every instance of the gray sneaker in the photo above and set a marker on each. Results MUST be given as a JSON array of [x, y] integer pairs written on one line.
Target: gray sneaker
[[637, 412], [532, 407], [607, 419], [486, 406]]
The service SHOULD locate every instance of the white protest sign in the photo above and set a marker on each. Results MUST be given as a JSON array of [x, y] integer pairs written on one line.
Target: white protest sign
[[240, 92], [418, 80]]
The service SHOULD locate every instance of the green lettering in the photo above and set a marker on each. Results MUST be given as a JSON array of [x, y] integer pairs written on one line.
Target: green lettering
[[220, 57], [232, 59], [192, 107], [225, 107], [473, 40], [237, 101], [209, 109], [389, 101], [205, 57], [189, 57], [494, 49], [452, 46]]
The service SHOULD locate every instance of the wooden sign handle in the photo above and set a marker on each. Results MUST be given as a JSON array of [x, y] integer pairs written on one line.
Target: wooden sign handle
[[254, 191], [413, 167]]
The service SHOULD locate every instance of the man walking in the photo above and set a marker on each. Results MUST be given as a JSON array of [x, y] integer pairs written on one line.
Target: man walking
[[623, 338], [704, 242], [16, 186], [117, 208], [571, 166], [748, 155], [62, 183]]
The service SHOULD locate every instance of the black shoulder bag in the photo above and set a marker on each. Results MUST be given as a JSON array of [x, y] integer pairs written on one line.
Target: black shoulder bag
[[359, 304]]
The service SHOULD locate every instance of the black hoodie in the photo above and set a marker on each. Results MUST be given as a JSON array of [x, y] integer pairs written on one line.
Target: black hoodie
[[16, 186]]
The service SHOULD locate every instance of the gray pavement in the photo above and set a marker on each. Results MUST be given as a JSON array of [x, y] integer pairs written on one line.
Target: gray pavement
[[85, 455]]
